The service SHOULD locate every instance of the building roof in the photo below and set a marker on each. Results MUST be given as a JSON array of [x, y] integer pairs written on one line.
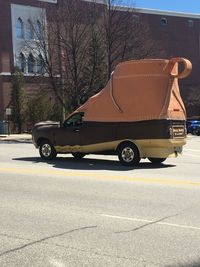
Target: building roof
[[49, 1], [166, 13], [152, 11]]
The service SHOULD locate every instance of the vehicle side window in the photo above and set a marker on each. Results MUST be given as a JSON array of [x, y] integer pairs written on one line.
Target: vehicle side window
[[74, 120]]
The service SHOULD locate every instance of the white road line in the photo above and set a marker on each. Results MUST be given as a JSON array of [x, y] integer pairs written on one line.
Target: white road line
[[194, 150], [191, 155], [149, 221]]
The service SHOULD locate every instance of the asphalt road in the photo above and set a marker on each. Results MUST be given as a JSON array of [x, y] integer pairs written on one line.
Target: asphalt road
[[94, 212]]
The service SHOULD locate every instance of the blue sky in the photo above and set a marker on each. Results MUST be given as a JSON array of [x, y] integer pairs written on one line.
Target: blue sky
[[186, 6]]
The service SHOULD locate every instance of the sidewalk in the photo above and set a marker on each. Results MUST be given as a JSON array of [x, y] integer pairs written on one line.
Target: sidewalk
[[23, 138]]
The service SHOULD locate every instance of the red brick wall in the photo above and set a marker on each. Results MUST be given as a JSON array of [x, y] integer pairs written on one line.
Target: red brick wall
[[1, 99], [179, 40], [5, 37]]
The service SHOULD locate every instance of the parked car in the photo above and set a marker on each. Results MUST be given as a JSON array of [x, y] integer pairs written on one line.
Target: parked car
[[197, 130], [192, 126]]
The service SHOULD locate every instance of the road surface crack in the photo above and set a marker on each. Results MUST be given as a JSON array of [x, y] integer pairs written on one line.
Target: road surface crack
[[147, 224], [44, 239]]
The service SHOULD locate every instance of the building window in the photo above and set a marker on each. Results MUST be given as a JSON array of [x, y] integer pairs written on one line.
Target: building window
[[31, 63], [163, 21], [29, 30], [20, 28], [40, 65], [136, 18], [190, 23], [22, 62], [39, 30]]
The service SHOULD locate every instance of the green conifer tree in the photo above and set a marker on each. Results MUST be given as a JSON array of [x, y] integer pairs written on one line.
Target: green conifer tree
[[95, 74], [18, 100]]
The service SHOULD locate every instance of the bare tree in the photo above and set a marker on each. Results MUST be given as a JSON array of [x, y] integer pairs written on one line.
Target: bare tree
[[125, 35], [82, 43], [75, 38], [45, 49], [66, 46]]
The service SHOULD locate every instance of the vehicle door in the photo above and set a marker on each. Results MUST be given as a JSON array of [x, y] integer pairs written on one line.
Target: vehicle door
[[69, 133]]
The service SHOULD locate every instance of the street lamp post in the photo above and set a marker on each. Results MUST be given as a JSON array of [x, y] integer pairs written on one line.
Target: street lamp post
[[8, 114]]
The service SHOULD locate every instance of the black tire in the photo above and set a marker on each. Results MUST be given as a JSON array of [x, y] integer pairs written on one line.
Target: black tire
[[47, 150], [156, 160], [78, 155], [128, 154], [193, 132]]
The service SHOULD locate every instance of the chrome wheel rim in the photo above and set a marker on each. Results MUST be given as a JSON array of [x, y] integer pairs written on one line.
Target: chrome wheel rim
[[46, 150], [127, 154]]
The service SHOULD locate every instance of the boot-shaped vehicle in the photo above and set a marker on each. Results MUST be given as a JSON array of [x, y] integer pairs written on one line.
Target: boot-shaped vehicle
[[139, 114]]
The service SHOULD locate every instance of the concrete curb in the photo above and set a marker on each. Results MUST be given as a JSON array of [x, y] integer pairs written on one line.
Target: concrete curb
[[19, 138]]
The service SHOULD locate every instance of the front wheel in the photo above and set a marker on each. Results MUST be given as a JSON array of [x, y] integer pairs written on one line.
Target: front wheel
[[128, 154], [156, 160], [47, 151]]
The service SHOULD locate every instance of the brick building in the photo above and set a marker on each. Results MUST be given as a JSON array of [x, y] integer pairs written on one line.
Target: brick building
[[176, 33], [16, 20]]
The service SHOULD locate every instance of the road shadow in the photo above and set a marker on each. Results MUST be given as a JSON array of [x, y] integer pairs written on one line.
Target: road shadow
[[92, 164]]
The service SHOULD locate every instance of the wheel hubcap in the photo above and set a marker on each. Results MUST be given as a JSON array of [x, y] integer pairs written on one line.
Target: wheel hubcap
[[46, 150], [127, 154]]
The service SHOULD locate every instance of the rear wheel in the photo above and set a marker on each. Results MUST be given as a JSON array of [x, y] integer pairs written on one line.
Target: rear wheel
[[78, 155], [157, 160], [47, 150], [128, 154]]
